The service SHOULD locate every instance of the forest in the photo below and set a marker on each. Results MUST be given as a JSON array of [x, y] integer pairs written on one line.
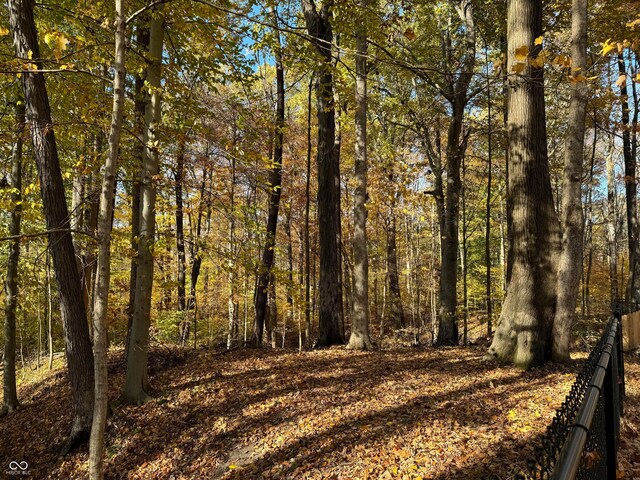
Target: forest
[[218, 199]]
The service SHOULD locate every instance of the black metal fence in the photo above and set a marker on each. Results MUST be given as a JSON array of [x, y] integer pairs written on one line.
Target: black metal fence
[[582, 441]]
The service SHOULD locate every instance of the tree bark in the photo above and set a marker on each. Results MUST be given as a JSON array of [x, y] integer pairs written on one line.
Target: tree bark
[[360, 338], [136, 383], [275, 184], [631, 187], [101, 290], [330, 294], [572, 220], [524, 328], [10, 393], [612, 225], [456, 94], [74, 317], [307, 243], [139, 105]]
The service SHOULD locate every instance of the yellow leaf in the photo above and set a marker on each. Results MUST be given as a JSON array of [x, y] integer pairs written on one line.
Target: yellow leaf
[[538, 41], [521, 53], [4, 31], [233, 467], [538, 62], [518, 68], [577, 79], [607, 47]]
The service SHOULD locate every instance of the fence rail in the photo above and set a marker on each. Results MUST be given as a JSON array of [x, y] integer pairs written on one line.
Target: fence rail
[[582, 441]]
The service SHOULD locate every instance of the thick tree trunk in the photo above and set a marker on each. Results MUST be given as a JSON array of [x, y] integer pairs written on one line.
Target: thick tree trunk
[[360, 338], [74, 317], [330, 294], [633, 229], [275, 184], [136, 383], [103, 276], [139, 105], [572, 215], [524, 330], [10, 393]]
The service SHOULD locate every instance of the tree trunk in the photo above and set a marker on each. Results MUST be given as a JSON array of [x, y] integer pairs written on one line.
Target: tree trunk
[[101, 290], [49, 310], [182, 262], [275, 184], [456, 94], [307, 243], [136, 383], [330, 294], [231, 249], [633, 230], [360, 338], [524, 328], [74, 317], [395, 298], [464, 257], [572, 215], [612, 226], [10, 398], [139, 105], [290, 284], [487, 230]]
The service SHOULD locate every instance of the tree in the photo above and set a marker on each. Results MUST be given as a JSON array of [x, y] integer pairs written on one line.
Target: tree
[[182, 263], [136, 383], [359, 339], [139, 102], [103, 272], [275, 190], [631, 187], [10, 394], [319, 26], [572, 220], [523, 334], [45, 152], [456, 93]]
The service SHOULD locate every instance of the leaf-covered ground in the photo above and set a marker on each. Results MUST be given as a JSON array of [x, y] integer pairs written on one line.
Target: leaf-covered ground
[[331, 414]]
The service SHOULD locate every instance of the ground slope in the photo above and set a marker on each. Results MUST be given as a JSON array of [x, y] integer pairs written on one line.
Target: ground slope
[[331, 414]]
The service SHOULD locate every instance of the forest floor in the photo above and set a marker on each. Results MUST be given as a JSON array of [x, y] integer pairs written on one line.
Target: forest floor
[[329, 414]]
